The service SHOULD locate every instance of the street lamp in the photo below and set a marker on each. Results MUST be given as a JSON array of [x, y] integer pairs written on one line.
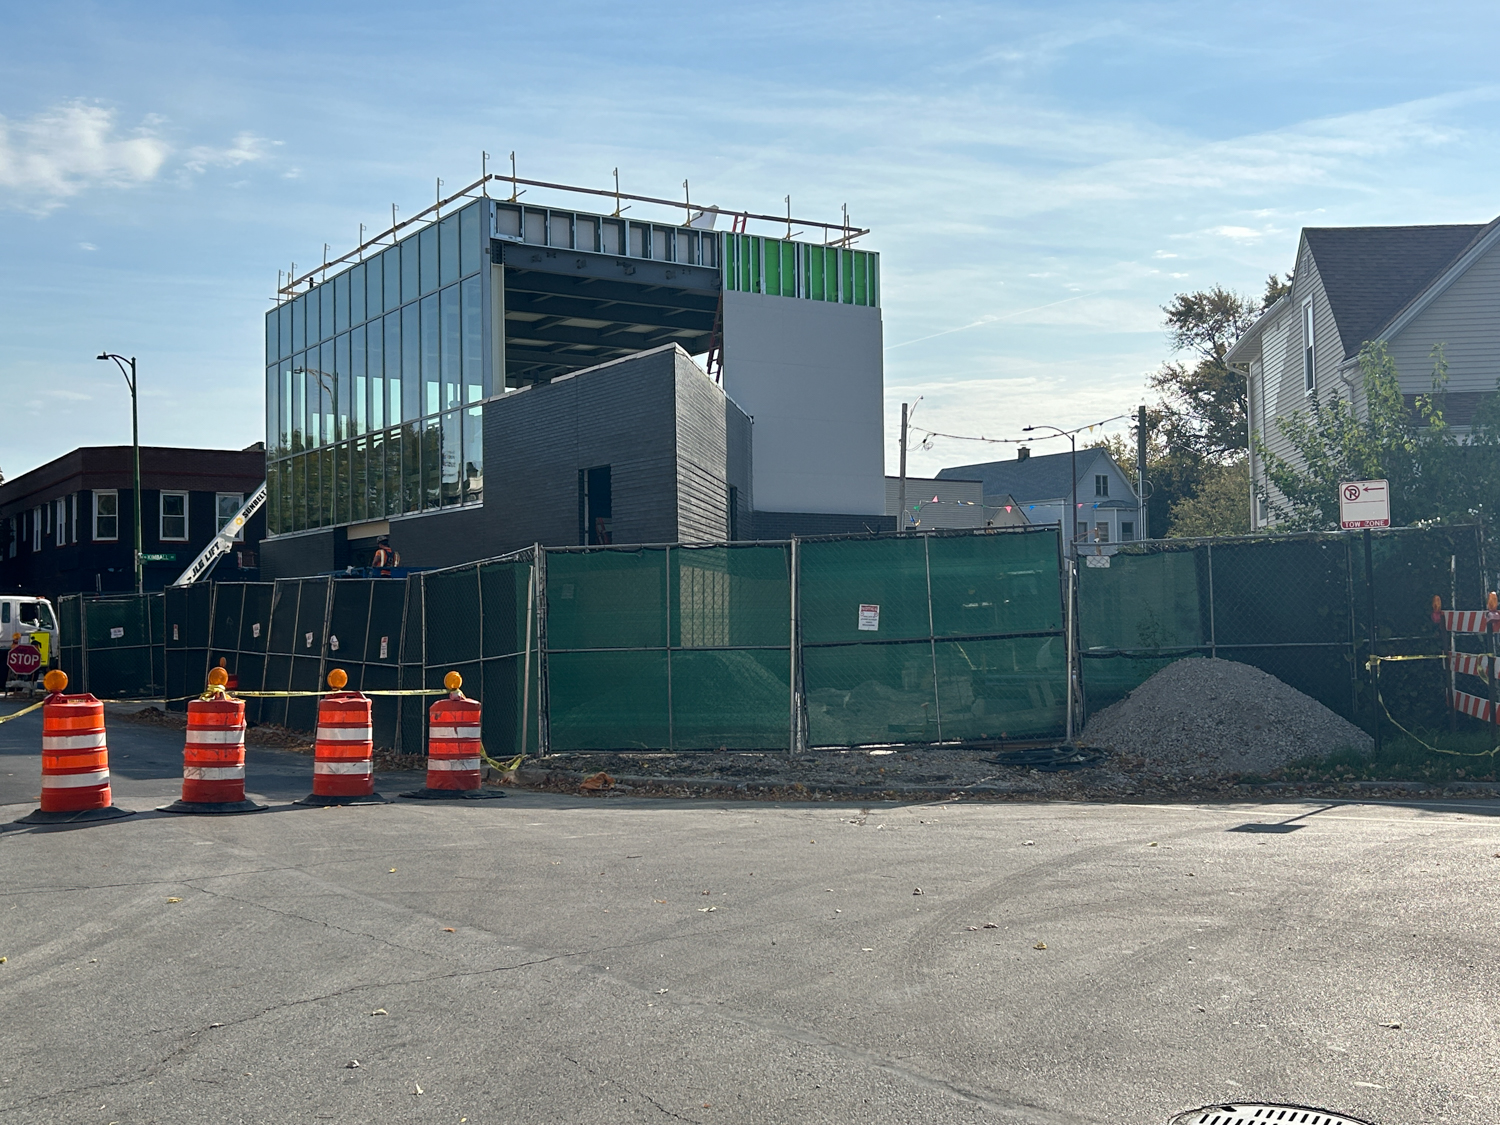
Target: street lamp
[[135, 446]]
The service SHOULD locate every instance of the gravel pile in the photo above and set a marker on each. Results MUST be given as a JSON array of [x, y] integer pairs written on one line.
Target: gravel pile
[[1215, 718]]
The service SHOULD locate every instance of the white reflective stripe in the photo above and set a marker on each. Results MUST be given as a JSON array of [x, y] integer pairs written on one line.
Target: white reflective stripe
[[54, 742], [212, 773], [344, 767], [453, 733], [345, 734], [220, 736], [74, 780], [453, 763]]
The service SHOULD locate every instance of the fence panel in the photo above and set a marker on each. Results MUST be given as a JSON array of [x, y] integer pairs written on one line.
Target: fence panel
[[122, 646]]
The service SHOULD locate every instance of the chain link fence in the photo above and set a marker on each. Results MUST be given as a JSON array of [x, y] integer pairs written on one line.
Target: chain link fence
[[113, 646], [1296, 606]]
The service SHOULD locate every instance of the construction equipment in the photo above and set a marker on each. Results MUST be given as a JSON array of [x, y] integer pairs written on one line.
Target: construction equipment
[[222, 542]]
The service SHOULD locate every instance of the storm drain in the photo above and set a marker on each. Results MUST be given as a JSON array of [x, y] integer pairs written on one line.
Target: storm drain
[[1260, 1113]]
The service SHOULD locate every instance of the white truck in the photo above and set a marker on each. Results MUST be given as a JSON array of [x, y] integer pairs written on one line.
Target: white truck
[[34, 622]]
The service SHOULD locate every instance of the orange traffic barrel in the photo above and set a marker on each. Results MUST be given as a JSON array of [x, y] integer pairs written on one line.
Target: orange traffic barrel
[[344, 754], [75, 758], [454, 749], [213, 757]]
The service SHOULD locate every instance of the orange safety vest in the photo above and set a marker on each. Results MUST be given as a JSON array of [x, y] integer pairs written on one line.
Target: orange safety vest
[[385, 557]]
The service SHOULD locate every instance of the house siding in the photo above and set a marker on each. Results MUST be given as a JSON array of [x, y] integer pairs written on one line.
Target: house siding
[[1465, 318]]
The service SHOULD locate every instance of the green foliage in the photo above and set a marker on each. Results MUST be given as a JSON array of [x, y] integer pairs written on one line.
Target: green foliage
[[1434, 474], [1221, 505], [1403, 758]]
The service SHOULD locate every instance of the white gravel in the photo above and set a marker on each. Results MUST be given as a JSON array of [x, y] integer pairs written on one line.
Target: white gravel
[[1214, 718]]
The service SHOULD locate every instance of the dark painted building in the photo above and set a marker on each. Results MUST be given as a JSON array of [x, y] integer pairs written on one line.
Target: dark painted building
[[69, 526], [643, 449]]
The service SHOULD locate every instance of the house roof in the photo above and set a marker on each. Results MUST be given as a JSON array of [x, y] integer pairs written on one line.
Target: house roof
[[1371, 273], [1036, 478]]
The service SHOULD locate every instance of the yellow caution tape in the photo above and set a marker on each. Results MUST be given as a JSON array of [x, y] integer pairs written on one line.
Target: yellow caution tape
[[1374, 660], [1428, 745], [22, 711]]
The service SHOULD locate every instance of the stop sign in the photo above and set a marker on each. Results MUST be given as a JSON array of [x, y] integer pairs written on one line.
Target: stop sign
[[24, 661]]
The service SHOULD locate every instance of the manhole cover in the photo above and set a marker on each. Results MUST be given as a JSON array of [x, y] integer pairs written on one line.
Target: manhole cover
[[1260, 1113]]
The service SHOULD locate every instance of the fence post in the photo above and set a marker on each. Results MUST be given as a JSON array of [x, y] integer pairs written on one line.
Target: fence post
[[526, 665], [667, 608], [543, 692], [83, 633], [1374, 665], [1213, 633], [794, 656], [1071, 647], [937, 703], [422, 700]]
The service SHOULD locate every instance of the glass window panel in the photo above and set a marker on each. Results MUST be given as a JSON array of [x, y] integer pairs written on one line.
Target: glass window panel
[[313, 424], [273, 335], [373, 288], [273, 413], [298, 496], [453, 365], [427, 243], [359, 404], [358, 489], [411, 271], [393, 473], [470, 249], [448, 250], [431, 354], [325, 311], [375, 367], [284, 321], [411, 362], [391, 281], [473, 472], [343, 399], [357, 294], [326, 485], [375, 477], [326, 370], [473, 342], [284, 408], [585, 233], [294, 394], [411, 467], [299, 324], [432, 463], [341, 303], [393, 368], [452, 461], [273, 499], [342, 454]]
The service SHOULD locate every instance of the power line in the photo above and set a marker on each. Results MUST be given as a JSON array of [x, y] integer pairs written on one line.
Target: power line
[[1020, 441]]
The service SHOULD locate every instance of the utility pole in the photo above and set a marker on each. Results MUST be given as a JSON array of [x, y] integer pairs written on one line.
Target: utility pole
[[901, 490], [1140, 468]]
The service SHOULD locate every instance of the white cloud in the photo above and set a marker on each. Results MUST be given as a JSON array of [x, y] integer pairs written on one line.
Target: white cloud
[[61, 151], [58, 153]]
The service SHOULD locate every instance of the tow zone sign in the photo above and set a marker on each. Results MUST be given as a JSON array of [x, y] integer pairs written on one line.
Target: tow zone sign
[[1364, 503]]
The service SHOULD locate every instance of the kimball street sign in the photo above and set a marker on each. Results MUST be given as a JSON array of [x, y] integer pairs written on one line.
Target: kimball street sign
[[1364, 503]]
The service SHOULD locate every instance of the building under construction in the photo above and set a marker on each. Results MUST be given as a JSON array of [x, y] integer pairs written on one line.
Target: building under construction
[[490, 374]]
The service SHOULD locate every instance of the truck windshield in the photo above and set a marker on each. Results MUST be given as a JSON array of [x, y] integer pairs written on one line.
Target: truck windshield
[[35, 613]]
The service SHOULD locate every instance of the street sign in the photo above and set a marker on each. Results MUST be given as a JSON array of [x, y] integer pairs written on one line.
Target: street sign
[[159, 558], [24, 661], [1364, 503]]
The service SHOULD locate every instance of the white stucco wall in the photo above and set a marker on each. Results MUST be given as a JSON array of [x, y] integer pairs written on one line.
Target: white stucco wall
[[811, 375]]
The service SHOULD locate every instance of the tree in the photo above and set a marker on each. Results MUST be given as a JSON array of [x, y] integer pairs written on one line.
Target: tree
[[1201, 419], [1221, 505], [1434, 474]]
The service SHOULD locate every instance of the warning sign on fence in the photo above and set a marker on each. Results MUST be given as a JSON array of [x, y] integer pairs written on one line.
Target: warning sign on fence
[[869, 619], [1364, 503]]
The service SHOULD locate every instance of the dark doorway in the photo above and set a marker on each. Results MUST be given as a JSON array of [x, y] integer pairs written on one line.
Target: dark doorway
[[595, 506]]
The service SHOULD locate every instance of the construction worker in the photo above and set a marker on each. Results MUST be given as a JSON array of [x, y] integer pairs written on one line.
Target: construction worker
[[386, 557]]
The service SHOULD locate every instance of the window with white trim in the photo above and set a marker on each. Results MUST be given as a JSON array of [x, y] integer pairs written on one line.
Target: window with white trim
[[226, 507], [14, 536], [73, 517], [174, 517], [36, 529], [106, 515], [1309, 375], [60, 521], [1101, 484]]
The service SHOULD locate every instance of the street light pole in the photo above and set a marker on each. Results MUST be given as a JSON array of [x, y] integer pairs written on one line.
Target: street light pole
[[1072, 436], [135, 448]]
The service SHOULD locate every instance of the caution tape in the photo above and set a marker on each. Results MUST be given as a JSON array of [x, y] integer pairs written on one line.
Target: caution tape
[[1374, 660], [1427, 745], [22, 711]]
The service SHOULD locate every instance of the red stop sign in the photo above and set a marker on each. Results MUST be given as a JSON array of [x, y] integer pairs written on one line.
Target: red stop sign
[[24, 661]]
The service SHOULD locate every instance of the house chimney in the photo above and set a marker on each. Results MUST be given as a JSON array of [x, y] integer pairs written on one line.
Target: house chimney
[[1022, 453]]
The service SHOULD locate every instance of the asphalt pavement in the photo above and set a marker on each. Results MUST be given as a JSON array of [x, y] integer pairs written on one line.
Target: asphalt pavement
[[558, 959]]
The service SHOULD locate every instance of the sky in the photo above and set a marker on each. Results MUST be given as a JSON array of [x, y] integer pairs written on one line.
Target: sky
[[1039, 178]]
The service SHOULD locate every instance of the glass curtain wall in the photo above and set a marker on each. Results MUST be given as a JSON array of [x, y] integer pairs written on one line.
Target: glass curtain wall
[[373, 381]]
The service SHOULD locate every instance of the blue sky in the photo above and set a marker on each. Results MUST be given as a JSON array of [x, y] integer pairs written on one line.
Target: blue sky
[[1040, 178]]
